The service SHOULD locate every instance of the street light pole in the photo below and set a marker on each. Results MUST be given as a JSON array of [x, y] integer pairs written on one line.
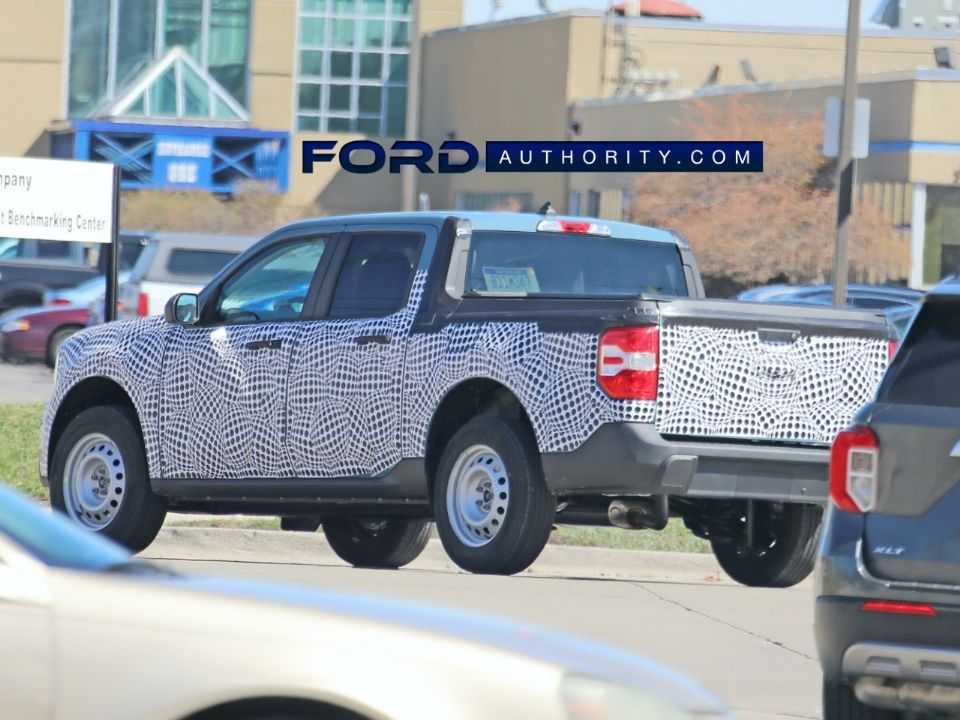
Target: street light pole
[[846, 165]]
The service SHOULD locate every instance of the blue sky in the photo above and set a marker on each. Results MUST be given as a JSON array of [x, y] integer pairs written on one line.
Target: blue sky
[[816, 13]]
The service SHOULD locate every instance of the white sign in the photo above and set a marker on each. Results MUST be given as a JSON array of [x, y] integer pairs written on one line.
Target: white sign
[[56, 200], [861, 128]]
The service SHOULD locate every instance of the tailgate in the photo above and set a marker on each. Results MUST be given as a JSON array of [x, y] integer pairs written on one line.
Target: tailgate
[[758, 371]]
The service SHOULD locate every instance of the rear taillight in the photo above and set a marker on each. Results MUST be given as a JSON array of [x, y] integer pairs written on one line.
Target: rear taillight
[[59, 301], [143, 305], [854, 461], [891, 349], [899, 608], [628, 362]]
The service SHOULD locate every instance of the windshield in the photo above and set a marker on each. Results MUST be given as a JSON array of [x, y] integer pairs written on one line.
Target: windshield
[[52, 539], [572, 265]]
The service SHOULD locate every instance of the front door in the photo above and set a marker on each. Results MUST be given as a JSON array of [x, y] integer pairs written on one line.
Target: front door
[[346, 382], [223, 402]]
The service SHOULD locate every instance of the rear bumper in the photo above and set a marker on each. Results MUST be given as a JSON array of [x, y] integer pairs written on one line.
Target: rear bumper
[[853, 644], [633, 458]]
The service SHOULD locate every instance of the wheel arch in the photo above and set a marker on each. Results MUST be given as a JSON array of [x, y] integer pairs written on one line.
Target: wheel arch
[[293, 708], [90, 392], [463, 401]]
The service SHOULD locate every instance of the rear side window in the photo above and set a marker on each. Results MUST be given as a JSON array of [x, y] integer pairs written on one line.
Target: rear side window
[[376, 275], [925, 369], [555, 264], [204, 263]]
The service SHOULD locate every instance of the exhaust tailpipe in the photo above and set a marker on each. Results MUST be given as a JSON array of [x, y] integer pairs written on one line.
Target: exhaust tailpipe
[[647, 513]]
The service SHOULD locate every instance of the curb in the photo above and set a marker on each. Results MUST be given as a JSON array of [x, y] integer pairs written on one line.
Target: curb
[[561, 561]]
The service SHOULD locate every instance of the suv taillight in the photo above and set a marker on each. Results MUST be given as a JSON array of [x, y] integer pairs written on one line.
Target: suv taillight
[[628, 362], [143, 304], [854, 460], [891, 349]]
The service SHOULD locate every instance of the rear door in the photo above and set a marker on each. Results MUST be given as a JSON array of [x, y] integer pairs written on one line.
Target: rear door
[[914, 532], [345, 392]]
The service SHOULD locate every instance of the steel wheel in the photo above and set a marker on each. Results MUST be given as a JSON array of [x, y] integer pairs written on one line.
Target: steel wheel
[[478, 495], [94, 481]]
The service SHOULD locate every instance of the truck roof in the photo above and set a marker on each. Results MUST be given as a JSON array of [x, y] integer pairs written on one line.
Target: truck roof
[[507, 221]]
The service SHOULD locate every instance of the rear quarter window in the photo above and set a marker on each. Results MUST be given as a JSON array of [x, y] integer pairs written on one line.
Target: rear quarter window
[[925, 369]]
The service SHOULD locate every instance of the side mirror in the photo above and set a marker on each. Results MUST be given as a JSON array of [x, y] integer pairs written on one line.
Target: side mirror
[[182, 309]]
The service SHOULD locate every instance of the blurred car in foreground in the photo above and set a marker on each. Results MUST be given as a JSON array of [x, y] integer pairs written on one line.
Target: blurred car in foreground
[[171, 263], [897, 304], [888, 577], [89, 633], [38, 333]]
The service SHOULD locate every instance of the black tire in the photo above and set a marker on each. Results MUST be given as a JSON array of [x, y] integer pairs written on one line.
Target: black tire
[[140, 513], [794, 529], [56, 340], [840, 703], [377, 543], [528, 519]]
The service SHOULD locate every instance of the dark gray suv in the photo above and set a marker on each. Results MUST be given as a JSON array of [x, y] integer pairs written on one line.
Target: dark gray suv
[[888, 576]]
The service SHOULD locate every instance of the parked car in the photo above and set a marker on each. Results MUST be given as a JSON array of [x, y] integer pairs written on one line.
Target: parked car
[[888, 578], [171, 263], [38, 333], [29, 268], [496, 372], [171, 646], [896, 304], [84, 293], [872, 297]]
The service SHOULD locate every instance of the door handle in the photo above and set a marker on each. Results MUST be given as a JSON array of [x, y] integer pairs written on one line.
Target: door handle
[[275, 344], [372, 340]]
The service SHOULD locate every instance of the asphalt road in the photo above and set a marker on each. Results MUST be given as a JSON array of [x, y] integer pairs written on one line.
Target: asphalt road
[[25, 383], [754, 648]]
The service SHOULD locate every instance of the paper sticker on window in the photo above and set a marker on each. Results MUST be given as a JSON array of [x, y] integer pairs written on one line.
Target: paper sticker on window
[[511, 280]]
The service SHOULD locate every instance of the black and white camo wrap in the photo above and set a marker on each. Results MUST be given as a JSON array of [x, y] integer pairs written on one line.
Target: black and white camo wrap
[[130, 354], [727, 383], [552, 374]]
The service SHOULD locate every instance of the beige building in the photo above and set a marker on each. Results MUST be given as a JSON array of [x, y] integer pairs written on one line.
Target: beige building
[[596, 77]]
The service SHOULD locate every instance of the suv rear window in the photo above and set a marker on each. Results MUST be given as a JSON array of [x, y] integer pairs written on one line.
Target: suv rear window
[[573, 265], [924, 371], [205, 263]]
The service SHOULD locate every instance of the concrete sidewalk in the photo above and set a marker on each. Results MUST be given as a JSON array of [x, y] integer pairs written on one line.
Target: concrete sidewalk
[[296, 548]]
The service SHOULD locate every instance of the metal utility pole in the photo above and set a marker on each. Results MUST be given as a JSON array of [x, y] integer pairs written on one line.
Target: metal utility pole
[[845, 163], [408, 177]]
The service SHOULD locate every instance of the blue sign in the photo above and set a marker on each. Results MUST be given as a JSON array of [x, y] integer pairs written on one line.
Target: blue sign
[[182, 161], [619, 156]]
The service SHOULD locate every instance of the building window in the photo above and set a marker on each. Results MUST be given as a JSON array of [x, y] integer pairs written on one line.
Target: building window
[[112, 41], [352, 66], [504, 202]]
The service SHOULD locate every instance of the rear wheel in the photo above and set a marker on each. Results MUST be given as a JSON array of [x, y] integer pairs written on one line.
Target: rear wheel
[[493, 509], [385, 543], [98, 477], [783, 549], [840, 703]]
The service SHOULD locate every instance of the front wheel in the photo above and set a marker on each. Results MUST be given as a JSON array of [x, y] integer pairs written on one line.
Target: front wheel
[[98, 477], [493, 509], [784, 547], [380, 543]]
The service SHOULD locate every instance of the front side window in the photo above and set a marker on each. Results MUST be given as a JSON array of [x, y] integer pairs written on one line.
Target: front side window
[[275, 286], [376, 275], [572, 265]]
